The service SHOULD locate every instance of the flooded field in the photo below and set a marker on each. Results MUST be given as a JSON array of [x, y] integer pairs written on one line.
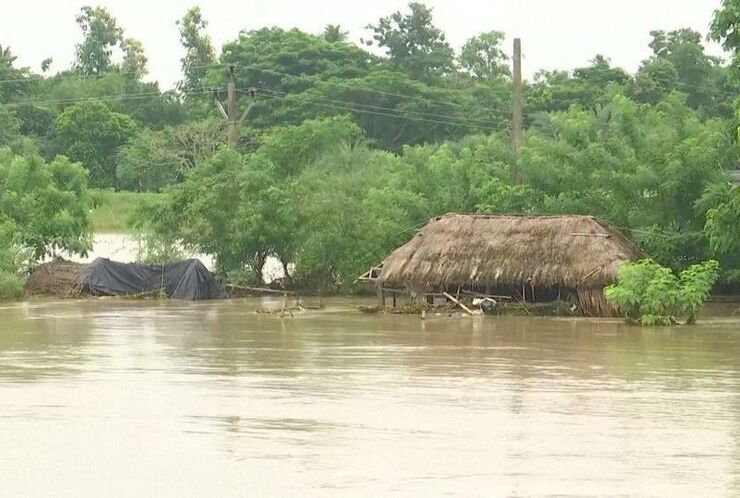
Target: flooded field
[[110, 397], [126, 248]]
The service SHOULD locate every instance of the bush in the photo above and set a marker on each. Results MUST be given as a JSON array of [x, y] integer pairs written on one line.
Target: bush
[[12, 260], [651, 294], [11, 286]]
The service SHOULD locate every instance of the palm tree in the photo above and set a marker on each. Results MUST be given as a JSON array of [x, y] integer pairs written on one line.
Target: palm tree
[[334, 33]]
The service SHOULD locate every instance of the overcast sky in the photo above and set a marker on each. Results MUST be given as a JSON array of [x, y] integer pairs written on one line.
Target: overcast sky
[[561, 34]]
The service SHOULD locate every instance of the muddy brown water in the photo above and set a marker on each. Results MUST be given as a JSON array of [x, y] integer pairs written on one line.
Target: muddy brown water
[[111, 397]]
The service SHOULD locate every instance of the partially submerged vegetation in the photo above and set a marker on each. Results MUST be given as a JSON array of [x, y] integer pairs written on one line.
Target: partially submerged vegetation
[[651, 294], [43, 210]]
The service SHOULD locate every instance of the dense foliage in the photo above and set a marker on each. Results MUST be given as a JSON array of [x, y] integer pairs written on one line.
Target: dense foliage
[[651, 294], [343, 152], [43, 210]]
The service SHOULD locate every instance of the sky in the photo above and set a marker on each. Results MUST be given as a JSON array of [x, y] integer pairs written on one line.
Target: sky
[[556, 34]]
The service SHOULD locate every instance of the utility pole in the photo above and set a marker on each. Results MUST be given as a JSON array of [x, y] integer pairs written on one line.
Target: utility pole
[[229, 114], [516, 117], [232, 133]]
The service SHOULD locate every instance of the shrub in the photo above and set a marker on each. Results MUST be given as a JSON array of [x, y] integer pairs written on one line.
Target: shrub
[[651, 294], [12, 260]]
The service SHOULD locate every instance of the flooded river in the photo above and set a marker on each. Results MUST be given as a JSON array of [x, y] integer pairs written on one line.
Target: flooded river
[[147, 398]]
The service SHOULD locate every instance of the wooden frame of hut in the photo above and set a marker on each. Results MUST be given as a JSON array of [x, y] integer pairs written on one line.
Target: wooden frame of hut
[[531, 258]]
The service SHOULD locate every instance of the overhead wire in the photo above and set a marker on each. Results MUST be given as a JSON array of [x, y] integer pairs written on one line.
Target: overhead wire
[[360, 106], [132, 96], [74, 76], [354, 86], [393, 112]]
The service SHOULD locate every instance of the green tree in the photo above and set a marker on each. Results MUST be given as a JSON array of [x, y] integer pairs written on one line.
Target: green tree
[[483, 58], [199, 52], [640, 167], [134, 59], [588, 86], [143, 101], [723, 224], [413, 43], [650, 294], [43, 207], [153, 159], [725, 26], [101, 34], [335, 33], [289, 60], [10, 125], [90, 133], [656, 78], [697, 72], [16, 82]]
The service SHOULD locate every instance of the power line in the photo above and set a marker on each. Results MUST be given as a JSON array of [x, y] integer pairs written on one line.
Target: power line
[[694, 85], [373, 90], [59, 76], [132, 96], [391, 109], [397, 116]]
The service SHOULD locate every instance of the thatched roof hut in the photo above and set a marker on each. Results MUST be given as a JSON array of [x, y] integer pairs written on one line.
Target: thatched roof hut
[[541, 253]]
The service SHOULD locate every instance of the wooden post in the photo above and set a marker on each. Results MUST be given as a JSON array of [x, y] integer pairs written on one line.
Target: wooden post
[[465, 308], [381, 295], [516, 117], [233, 123]]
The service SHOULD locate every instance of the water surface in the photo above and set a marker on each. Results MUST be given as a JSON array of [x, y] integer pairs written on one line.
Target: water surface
[[110, 397]]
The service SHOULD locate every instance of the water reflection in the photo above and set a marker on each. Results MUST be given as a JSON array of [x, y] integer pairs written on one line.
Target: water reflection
[[335, 402], [41, 340]]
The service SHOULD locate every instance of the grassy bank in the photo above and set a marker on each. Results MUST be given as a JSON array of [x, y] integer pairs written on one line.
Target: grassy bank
[[115, 208]]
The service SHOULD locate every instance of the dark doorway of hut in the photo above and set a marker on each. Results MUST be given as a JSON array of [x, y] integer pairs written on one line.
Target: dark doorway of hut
[[525, 300]]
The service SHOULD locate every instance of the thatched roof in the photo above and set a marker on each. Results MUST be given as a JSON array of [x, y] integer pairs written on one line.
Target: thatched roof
[[458, 249]]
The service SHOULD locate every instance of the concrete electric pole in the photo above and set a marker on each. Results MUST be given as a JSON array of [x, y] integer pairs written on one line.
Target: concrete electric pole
[[229, 114], [516, 117]]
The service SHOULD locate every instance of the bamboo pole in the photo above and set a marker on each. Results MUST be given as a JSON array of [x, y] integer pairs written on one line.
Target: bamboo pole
[[452, 298]]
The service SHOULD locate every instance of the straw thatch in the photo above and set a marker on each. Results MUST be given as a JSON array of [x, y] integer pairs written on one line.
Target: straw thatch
[[571, 252]]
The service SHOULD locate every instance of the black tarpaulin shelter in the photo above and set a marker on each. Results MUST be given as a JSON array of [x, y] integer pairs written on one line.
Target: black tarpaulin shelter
[[188, 279]]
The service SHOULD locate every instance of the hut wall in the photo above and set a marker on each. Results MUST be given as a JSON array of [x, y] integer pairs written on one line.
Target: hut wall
[[594, 303]]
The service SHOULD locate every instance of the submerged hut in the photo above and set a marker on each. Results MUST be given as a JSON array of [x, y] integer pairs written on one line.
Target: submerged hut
[[531, 258]]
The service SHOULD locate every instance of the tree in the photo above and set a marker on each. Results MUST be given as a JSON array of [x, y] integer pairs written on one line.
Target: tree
[[725, 26], [639, 167], [101, 34], [695, 69], [46, 64], [650, 294], [134, 59], [153, 160], [723, 224], [199, 52], [289, 60], [43, 207], [483, 58], [656, 78], [10, 125], [335, 33], [588, 86], [90, 133], [143, 101], [413, 43], [16, 82]]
